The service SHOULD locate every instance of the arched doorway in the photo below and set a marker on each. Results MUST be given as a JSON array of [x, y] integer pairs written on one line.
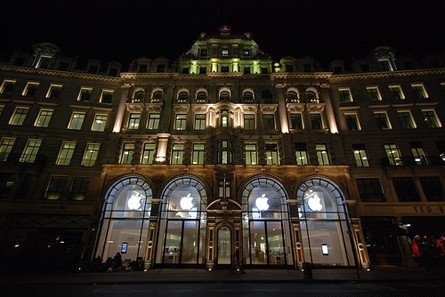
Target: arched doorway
[[224, 256], [324, 224], [182, 225], [124, 220], [266, 226]]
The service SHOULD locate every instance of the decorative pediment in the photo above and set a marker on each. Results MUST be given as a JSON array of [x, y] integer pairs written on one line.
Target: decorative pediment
[[135, 107], [181, 108], [249, 109], [268, 108], [153, 107], [295, 107], [315, 107]]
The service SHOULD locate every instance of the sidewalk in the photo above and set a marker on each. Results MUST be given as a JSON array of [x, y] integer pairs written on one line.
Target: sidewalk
[[182, 275]]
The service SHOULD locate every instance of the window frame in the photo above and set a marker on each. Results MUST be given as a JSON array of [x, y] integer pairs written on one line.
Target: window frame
[[76, 124], [66, 152], [43, 120]]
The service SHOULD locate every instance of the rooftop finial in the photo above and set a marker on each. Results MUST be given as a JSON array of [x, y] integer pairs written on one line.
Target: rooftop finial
[[225, 30]]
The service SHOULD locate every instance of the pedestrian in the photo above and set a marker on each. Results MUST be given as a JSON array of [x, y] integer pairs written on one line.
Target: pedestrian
[[117, 262]]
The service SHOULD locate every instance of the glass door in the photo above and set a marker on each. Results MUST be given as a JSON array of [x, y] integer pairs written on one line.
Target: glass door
[[224, 246]]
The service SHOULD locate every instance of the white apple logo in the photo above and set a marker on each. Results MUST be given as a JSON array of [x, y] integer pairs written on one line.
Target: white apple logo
[[314, 203], [134, 202], [261, 203], [186, 202]]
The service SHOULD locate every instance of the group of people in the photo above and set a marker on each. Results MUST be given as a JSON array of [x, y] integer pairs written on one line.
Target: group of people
[[113, 264], [428, 250]]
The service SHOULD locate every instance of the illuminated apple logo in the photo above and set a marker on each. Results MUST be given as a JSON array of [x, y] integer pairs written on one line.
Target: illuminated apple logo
[[261, 203], [186, 202], [134, 202], [314, 203]]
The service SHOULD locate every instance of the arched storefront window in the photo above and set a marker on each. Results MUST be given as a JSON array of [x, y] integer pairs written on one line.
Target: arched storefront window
[[266, 228], [125, 218], [324, 224], [183, 223]]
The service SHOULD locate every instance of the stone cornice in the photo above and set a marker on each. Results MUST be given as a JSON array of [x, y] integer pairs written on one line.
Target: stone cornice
[[388, 74], [58, 73], [301, 75]]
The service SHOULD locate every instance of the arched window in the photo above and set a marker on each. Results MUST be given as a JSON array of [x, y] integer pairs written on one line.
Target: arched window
[[311, 96], [157, 96], [125, 219], [248, 96], [224, 95], [183, 223], [183, 96], [266, 97], [139, 95], [292, 96], [201, 96]]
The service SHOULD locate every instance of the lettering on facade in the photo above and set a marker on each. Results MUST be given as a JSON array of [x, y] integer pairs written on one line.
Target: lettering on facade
[[428, 209]]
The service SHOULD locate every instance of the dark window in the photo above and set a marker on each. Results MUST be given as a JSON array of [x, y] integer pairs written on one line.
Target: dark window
[[19, 61], [64, 66], [113, 71], [246, 70], [79, 188], [185, 70], [161, 68], [289, 68], [224, 68], [432, 188], [370, 190], [202, 70], [264, 70], [143, 68], [352, 122], [204, 53], [56, 188], [6, 184], [296, 121], [269, 121], [316, 122], [266, 95], [405, 189], [307, 67], [93, 69], [338, 69], [24, 187]]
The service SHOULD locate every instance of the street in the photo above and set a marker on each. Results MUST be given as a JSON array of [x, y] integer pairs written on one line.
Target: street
[[309, 289]]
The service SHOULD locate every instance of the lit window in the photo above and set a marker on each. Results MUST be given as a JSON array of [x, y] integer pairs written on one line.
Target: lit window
[[133, 121], [352, 122], [393, 154], [153, 121], [180, 122], [30, 151], [272, 157], [420, 91], [344, 95], [311, 96], [148, 153], [84, 94], [322, 154], [249, 122], [127, 153], [6, 145], [56, 187], [76, 121], [225, 52], [430, 118], [396, 92], [19, 116], [30, 89], [373, 93], [99, 123], [301, 153], [7, 87], [44, 118], [90, 154], [406, 119], [200, 121], [224, 152], [66, 153], [418, 153], [251, 154], [79, 189], [54, 91], [382, 120], [106, 96], [177, 154], [198, 153], [360, 156]]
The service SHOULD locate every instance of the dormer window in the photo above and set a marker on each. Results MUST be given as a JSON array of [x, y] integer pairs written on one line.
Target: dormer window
[[44, 62], [246, 52], [143, 68], [204, 53], [225, 52]]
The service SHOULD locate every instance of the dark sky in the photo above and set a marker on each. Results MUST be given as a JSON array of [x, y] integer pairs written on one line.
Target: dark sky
[[124, 30]]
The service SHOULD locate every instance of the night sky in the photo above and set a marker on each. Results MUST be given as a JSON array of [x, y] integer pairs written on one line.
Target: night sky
[[124, 30]]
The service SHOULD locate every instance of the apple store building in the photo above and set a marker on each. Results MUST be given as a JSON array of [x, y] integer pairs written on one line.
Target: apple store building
[[263, 224]]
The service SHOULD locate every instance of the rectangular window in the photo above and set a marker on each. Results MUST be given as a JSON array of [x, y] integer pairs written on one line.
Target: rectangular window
[[322, 154], [148, 153], [30, 151], [54, 91], [198, 153], [66, 153], [57, 188], [352, 122], [153, 121], [76, 121], [7, 87], [251, 154], [90, 154], [200, 121], [418, 153], [44, 118], [134, 120], [6, 144], [360, 156], [430, 118], [420, 91], [30, 89], [405, 189], [249, 122], [397, 92], [99, 123], [106, 96], [7, 181], [406, 119], [373, 93], [344, 95], [382, 120], [127, 153], [393, 154], [225, 152], [79, 188], [301, 153], [177, 155], [272, 157], [18, 118], [370, 190], [316, 122], [225, 52], [180, 121], [296, 121], [269, 121], [432, 188], [84, 94]]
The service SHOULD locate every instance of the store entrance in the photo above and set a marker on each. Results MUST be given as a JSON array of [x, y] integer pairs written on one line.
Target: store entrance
[[224, 246]]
